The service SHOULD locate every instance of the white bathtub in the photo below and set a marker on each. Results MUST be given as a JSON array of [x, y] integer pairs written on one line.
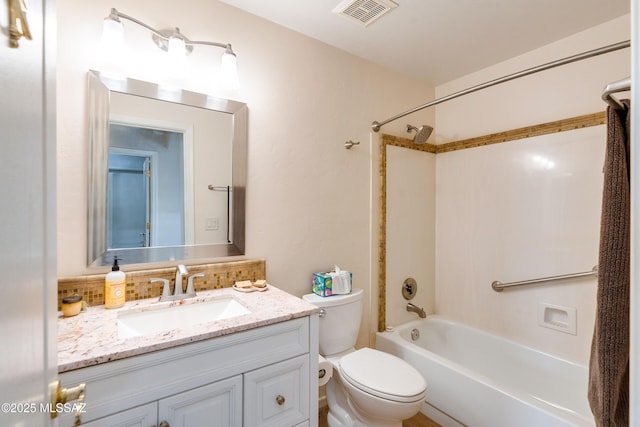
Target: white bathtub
[[481, 380]]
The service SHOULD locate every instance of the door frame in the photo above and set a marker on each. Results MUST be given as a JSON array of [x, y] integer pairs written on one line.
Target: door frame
[[153, 208], [187, 157]]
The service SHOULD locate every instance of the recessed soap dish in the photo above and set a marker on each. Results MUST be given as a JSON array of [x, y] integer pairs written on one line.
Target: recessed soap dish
[[563, 319]]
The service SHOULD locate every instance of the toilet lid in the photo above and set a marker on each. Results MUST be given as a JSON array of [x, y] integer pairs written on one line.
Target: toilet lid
[[383, 375]]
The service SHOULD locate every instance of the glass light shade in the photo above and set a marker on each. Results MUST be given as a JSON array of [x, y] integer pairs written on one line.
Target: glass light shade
[[177, 55], [177, 48], [229, 71], [112, 35]]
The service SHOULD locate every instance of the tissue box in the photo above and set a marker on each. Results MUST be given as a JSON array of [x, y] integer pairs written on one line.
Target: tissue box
[[322, 284]]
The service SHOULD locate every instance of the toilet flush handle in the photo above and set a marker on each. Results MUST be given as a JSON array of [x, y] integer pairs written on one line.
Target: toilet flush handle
[[322, 313]]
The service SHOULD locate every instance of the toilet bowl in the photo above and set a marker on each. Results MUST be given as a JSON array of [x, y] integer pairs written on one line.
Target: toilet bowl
[[369, 387]]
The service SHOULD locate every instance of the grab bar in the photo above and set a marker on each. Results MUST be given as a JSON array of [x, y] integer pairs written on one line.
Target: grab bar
[[499, 286]]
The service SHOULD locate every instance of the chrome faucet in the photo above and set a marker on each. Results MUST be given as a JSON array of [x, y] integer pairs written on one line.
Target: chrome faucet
[[416, 309], [178, 293], [181, 271]]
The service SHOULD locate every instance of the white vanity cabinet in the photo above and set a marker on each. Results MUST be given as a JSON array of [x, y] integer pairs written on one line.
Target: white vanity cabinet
[[258, 377], [214, 405]]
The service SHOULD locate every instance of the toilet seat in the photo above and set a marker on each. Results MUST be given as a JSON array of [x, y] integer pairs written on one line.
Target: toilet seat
[[383, 375]]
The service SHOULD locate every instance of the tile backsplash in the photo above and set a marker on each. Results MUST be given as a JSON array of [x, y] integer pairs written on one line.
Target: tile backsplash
[[139, 286]]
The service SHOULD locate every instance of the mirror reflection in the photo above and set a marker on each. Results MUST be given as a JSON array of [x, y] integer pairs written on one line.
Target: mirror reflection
[[171, 183], [146, 188]]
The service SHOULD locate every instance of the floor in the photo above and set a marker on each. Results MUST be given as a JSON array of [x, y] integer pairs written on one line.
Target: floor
[[417, 421]]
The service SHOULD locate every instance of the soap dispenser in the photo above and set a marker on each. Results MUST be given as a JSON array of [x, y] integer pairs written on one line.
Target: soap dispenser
[[114, 287]]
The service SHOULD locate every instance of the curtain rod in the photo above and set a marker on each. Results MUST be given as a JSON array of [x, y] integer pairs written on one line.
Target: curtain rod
[[578, 57]]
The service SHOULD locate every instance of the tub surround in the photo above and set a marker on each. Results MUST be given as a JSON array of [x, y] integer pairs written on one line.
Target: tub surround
[[139, 286], [91, 338], [554, 127]]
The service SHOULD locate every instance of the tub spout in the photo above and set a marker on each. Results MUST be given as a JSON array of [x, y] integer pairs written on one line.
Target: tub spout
[[415, 309]]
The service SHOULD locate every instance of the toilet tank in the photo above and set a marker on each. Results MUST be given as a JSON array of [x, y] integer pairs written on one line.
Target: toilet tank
[[340, 323]]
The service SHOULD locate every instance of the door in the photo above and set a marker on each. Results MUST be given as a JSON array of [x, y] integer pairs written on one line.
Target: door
[[28, 220], [129, 201], [214, 405], [170, 187]]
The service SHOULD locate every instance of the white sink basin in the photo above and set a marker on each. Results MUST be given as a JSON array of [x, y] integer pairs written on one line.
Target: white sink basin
[[137, 323]]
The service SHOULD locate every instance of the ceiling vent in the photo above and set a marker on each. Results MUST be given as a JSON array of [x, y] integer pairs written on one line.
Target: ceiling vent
[[364, 12]]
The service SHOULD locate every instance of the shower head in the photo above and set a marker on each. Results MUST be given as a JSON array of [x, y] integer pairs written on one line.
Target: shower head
[[422, 133]]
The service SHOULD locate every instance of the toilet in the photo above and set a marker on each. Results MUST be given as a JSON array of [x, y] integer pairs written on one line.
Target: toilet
[[368, 387]]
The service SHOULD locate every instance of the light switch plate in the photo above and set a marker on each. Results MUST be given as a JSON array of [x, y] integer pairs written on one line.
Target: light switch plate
[[212, 224]]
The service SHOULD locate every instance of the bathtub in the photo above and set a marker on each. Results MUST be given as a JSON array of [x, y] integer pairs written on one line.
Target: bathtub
[[477, 379]]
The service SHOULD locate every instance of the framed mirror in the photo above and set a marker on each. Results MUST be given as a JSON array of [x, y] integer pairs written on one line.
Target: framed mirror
[[167, 173]]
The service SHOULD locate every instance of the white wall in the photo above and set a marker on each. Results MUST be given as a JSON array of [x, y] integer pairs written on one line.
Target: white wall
[[500, 216], [309, 200], [562, 92]]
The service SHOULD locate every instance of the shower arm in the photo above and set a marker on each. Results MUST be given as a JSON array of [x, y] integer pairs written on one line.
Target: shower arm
[[375, 126]]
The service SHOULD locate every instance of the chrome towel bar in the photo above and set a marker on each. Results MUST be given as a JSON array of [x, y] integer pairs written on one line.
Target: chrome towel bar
[[499, 286], [219, 188], [619, 86]]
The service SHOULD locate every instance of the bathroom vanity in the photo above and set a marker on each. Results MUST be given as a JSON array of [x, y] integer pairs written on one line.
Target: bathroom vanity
[[251, 369]]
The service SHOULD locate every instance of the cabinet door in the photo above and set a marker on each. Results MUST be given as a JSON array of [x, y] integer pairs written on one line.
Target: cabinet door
[[140, 416], [213, 405], [277, 395]]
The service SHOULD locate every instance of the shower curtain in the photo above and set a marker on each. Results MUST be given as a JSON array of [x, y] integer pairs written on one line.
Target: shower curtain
[[609, 364]]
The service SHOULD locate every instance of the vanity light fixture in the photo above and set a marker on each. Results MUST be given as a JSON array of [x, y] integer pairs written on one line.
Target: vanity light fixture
[[171, 41]]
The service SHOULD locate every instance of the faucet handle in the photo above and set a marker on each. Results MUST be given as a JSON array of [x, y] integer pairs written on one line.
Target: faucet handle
[[190, 290], [165, 288]]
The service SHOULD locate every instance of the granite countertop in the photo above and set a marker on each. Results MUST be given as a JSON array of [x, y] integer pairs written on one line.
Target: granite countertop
[[91, 337]]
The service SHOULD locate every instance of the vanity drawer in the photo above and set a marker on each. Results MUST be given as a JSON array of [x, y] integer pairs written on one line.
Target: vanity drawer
[[140, 416], [277, 395]]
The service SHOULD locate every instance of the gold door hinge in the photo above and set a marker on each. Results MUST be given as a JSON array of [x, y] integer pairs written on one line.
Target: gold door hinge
[[18, 25]]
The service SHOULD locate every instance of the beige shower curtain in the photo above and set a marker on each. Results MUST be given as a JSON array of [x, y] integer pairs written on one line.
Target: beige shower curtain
[[609, 365]]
